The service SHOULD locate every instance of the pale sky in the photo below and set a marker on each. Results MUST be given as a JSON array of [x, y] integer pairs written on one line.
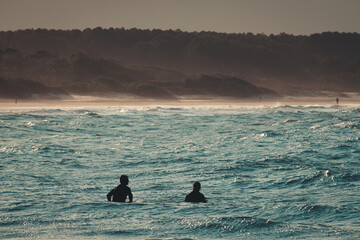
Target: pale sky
[[231, 16]]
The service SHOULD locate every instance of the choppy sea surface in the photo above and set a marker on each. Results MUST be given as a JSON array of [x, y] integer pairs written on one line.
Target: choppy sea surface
[[268, 172]]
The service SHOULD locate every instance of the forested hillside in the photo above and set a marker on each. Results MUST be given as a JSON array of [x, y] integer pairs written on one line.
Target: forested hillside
[[168, 64]]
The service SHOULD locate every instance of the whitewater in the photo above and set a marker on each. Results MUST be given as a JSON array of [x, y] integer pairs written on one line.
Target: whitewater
[[267, 172]]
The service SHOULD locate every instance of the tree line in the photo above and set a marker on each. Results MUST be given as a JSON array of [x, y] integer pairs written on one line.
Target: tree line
[[322, 61]]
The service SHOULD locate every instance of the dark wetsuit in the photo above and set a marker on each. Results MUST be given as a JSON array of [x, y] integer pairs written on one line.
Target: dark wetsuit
[[120, 193], [195, 196]]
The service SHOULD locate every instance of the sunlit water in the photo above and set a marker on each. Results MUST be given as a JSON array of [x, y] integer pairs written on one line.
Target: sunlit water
[[267, 172]]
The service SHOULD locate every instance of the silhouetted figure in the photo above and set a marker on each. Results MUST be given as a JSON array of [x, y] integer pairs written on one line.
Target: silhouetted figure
[[195, 195], [337, 100], [120, 192]]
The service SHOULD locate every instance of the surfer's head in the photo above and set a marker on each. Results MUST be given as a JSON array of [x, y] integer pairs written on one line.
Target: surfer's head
[[124, 180], [197, 186]]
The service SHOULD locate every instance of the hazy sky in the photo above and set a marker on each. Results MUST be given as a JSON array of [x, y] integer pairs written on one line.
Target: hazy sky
[[238, 16]]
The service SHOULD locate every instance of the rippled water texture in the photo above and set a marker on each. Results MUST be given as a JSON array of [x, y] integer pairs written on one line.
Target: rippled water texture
[[267, 172]]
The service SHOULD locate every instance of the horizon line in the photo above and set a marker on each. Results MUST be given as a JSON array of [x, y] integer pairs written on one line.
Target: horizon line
[[175, 30]]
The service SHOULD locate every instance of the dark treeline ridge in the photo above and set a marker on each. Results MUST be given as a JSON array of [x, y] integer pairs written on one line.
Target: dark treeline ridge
[[166, 64]]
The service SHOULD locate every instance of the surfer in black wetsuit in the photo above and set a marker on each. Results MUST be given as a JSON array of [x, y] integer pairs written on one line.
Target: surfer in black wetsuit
[[195, 195], [120, 192]]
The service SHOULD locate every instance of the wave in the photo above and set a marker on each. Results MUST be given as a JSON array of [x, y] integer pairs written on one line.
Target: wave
[[179, 106], [228, 224], [300, 107], [21, 220], [351, 177], [317, 209]]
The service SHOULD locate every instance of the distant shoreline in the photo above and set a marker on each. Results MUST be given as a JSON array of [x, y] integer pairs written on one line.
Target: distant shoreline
[[165, 64], [121, 102]]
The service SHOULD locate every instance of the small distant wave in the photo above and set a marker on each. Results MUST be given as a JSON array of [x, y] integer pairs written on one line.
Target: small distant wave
[[54, 110], [228, 224], [317, 208], [330, 212], [154, 109], [85, 112], [351, 177], [355, 139], [266, 134], [92, 114], [343, 147], [290, 121], [354, 125], [319, 176], [9, 150], [111, 232], [303, 107], [16, 221], [272, 133], [71, 163], [54, 148], [43, 180], [310, 151]]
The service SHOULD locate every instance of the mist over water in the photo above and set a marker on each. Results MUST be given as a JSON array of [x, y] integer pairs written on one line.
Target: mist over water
[[267, 172]]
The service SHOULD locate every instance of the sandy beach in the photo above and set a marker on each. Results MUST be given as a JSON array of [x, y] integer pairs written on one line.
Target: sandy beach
[[120, 102]]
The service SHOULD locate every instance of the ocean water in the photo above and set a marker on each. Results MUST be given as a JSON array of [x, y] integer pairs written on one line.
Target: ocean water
[[268, 172]]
